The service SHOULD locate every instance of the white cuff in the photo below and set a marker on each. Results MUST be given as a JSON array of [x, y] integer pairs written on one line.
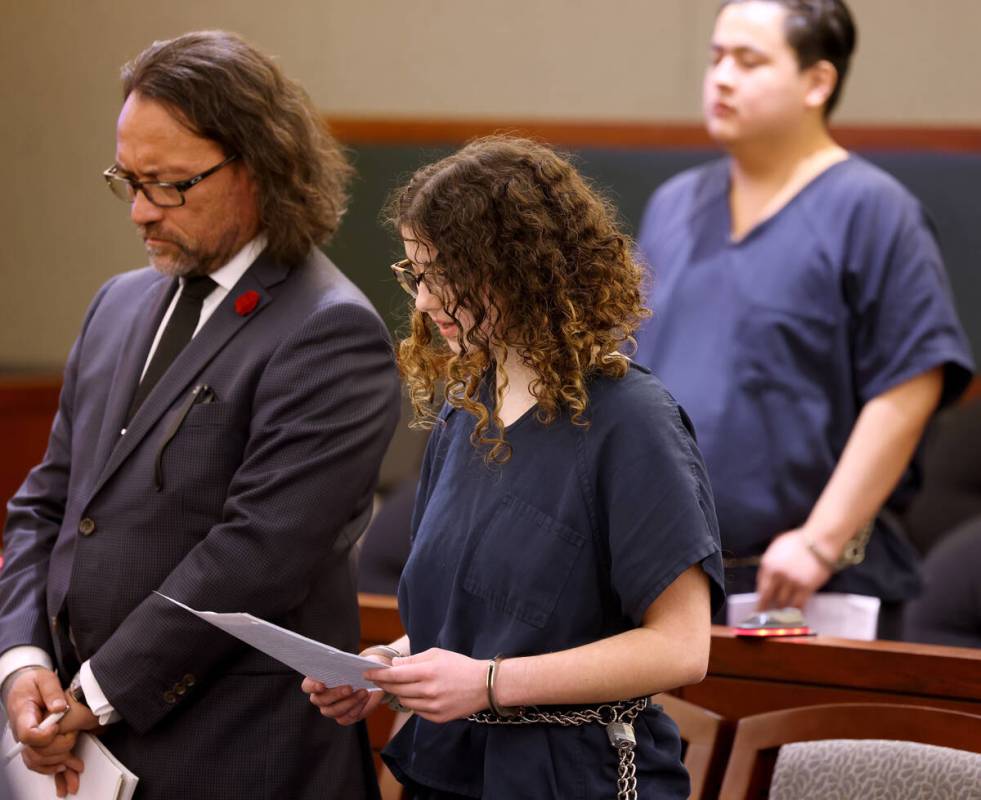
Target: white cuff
[[24, 655], [95, 697]]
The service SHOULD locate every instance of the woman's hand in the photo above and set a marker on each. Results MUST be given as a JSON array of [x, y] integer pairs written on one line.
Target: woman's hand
[[343, 704], [438, 685]]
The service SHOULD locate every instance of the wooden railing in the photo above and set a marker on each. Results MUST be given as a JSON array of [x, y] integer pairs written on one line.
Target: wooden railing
[[750, 676], [27, 406], [626, 134]]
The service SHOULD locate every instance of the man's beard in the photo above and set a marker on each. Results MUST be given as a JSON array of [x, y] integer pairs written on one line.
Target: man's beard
[[178, 259]]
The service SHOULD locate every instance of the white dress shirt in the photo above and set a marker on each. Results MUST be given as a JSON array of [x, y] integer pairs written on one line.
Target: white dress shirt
[[27, 655]]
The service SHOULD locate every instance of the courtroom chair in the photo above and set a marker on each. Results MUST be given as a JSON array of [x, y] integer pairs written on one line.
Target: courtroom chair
[[706, 740], [853, 751]]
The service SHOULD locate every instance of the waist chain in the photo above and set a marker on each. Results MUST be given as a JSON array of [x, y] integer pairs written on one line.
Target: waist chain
[[617, 718]]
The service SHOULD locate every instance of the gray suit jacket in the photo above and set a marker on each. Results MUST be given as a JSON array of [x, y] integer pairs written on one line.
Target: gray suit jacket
[[252, 502]]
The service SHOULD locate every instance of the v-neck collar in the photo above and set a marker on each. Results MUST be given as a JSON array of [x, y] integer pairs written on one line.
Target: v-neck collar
[[766, 221]]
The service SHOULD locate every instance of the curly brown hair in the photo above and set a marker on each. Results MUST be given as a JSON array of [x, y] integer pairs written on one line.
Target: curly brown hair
[[223, 89], [533, 253]]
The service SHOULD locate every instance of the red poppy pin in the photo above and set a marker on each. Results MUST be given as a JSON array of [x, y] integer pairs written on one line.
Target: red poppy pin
[[245, 303]]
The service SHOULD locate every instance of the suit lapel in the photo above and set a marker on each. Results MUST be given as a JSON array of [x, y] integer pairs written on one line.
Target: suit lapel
[[132, 358], [223, 324]]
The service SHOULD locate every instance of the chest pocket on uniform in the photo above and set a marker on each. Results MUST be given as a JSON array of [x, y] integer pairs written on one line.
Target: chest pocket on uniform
[[522, 561]]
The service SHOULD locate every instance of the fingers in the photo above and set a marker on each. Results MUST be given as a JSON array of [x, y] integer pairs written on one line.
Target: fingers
[[341, 703], [779, 591], [775, 591], [27, 730], [764, 590], [67, 783], [355, 710], [410, 669], [49, 687], [311, 685], [58, 753], [72, 779]]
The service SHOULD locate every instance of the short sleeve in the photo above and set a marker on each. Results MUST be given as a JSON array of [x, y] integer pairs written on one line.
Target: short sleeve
[[655, 501], [904, 322]]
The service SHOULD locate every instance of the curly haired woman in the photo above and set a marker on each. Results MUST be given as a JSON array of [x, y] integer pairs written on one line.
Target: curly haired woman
[[565, 554]]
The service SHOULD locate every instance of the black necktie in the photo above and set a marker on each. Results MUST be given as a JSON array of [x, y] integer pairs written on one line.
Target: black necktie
[[179, 330]]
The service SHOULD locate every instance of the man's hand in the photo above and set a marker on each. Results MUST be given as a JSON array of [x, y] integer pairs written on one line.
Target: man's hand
[[789, 573], [78, 718], [33, 695], [438, 685]]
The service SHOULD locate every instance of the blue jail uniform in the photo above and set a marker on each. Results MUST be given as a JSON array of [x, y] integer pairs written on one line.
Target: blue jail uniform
[[774, 343], [566, 543]]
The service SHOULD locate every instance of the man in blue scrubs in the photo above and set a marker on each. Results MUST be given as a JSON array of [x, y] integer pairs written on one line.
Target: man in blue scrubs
[[801, 316]]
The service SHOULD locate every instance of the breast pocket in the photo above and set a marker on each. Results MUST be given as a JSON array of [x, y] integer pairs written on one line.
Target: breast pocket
[[796, 353], [196, 461], [522, 561]]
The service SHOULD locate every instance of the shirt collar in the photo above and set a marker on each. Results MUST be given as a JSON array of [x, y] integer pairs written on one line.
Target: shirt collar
[[228, 275]]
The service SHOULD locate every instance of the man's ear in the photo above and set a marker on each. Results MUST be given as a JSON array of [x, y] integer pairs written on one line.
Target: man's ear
[[822, 78]]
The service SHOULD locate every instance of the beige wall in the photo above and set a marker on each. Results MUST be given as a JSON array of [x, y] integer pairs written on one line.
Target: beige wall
[[585, 59]]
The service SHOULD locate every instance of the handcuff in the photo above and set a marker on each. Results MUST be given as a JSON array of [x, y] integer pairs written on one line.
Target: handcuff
[[388, 698]]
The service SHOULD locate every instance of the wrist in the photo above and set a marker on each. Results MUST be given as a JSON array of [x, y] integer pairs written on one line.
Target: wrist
[[493, 681], [9, 681], [389, 652], [75, 691], [384, 650], [818, 553], [834, 551]]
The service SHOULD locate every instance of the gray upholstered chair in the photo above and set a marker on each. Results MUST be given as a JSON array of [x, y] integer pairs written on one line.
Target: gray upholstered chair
[[856, 752]]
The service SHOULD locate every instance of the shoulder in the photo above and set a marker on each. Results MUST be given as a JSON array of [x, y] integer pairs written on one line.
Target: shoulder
[[859, 187], [320, 282], [123, 293], [133, 282], [637, 411], [316, 295], [690, 191], [684, 203]]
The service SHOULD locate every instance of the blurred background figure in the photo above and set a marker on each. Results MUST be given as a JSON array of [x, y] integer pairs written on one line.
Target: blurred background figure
[[801, 316]]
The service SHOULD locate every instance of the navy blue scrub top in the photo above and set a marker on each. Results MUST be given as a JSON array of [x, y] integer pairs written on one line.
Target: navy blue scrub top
[[774, 343], [567, 543]]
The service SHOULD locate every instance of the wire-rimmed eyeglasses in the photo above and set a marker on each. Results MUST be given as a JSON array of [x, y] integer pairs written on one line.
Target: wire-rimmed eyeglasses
[[409, 279], [164, 194]]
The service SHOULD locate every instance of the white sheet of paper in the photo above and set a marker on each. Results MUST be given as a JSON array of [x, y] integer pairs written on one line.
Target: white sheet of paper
[[850, 616], [104, 778], [327, 664]]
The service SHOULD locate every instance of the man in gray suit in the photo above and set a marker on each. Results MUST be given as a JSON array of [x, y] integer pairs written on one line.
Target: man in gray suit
[[222, 420]]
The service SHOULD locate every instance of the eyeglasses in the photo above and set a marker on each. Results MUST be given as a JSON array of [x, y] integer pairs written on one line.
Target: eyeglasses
[[163, 194], [409, 279]]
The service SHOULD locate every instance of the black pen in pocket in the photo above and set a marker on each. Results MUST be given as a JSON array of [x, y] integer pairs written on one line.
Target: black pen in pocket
[[202, 393]]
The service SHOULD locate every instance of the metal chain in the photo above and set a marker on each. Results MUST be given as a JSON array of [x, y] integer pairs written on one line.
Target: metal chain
[[625, 711], [626, 773]]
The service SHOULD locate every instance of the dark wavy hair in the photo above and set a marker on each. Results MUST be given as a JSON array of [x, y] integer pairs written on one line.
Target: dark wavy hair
[[223, 89], [818, 30], [534, 254]]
